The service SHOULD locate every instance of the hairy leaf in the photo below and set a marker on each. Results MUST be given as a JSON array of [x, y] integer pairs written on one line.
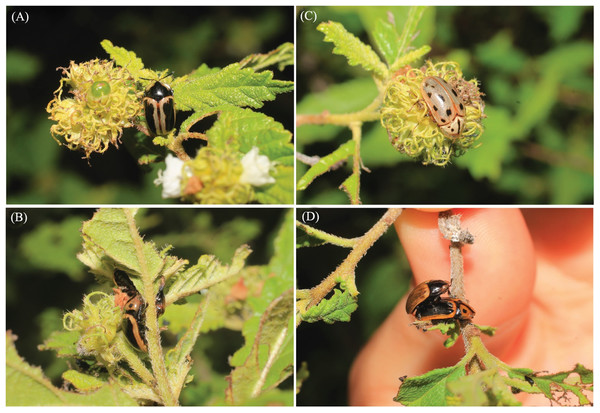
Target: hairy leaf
[[325, 163], [206, 273], [387, 40], [233, 85], [125, 58], [112, 234], [282, 56], [339, 307], [357, 53], [27, 386]]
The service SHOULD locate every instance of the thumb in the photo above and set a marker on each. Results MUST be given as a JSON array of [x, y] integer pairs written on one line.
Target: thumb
[[499, 277]]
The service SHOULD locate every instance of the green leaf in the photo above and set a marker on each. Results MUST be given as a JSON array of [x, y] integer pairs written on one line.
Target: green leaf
[[282, 261], [243, 129], [267, 357], [357, 53], [564, 380], [484, 388], [282, 191], [339, 307], [270, 357], [344, 151], [282, 56], [387, 40], [27, 386], [411, 57], [112, 234], [206, 273], [409, 29], [125, 58], [352, 187], [233, 85], [63, 342], [428, 389], [82, 382]]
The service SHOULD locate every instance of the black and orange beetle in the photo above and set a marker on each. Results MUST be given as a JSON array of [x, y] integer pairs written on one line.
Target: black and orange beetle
[[134, 308], [426, 304], [444, 309], [425, 292], [159, 108]]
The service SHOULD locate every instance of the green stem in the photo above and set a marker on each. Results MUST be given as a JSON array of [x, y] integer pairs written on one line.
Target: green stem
[[355, 127], [368, 114], [137, 365], [345, 271], [327, 237], [152, 333]]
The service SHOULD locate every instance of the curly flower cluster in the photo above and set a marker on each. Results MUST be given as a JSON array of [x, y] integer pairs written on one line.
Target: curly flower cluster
[[104, 101], [97, 323], [215, 176], [413, 131]]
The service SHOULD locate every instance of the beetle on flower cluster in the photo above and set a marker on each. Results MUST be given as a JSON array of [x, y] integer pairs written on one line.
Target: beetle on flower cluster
[[159, 109], [444, 105], [432, 113]]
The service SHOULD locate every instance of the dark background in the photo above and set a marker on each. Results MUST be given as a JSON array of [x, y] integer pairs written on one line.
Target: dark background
[[176, 38]]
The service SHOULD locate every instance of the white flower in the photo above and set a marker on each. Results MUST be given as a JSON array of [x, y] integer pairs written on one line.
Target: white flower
[[256, 169], [171, 177]]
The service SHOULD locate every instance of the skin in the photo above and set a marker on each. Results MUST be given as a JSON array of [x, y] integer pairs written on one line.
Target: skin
[[529, 274]]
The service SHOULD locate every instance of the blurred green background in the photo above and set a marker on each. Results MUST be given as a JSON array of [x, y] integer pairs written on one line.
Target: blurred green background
[[535, 65], [44, 279], [39, 171], [382, 278]]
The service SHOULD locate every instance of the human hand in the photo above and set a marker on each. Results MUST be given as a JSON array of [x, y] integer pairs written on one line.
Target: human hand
[[529, 273]]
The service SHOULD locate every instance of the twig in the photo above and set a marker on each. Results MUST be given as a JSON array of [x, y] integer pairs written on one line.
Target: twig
[[368, 114], [312, 160], [345, 271], [449, 225]]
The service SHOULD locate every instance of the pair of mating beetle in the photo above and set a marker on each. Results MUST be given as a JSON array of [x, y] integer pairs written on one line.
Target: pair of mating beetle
[[134, 309], [426, 304]]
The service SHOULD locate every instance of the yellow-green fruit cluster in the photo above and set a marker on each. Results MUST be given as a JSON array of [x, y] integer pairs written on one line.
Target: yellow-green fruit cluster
[[214, 178], [412, 129], [103, 102], [97, 323]]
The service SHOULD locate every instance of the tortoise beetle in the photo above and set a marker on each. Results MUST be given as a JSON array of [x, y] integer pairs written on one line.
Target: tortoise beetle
[[134, 308], [159, 108], [445, 106], [426, 291]]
